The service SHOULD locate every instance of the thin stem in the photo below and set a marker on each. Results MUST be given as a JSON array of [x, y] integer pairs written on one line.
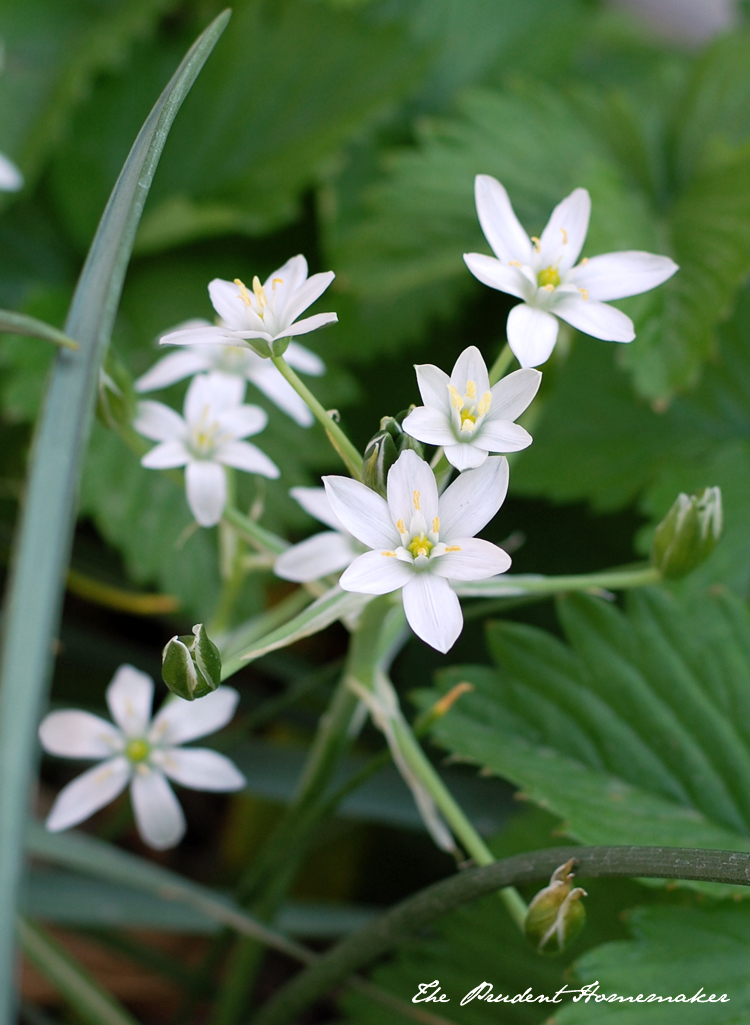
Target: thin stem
[[260, 538], [501, 364], [415, 913], [116, 598], [518, 586], [351, 457]]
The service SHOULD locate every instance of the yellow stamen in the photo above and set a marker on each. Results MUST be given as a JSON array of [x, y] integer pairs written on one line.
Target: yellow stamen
[[392, 554], [453, 548], [468, 420], [260, 293], [537, 243], [436, 526], [421, 546], [277, 281], [584, 292], [485, 403], [513, 263], [443, 705], [549, 288], [456, 399], [565, 236], [244, 294], [584, 261], [415, 498], [401, 527], [471, 389]]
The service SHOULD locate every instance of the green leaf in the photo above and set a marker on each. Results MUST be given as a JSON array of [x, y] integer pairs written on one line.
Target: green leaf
[[21, 324], [674, 951], [634, 733], [42, 546], [82, 993]]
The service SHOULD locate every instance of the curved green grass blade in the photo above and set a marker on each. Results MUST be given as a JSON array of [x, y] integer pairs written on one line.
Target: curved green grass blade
[[43, 542], [83, 994], [22, 324]]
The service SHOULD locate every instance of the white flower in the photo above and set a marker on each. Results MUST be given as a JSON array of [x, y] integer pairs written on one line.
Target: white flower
[[467, 417], [267, 312], [140, 752], [237, 361], [320, 554], [11, 179], [541, 272], [206, 438], [421, 541]]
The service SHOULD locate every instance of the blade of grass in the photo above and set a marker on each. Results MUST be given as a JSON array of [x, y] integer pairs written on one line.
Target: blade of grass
[[43, 543], [21, 324], [82, 993]]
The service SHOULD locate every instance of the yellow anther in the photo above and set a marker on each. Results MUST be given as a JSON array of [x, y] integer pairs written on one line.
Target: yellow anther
[[436, 526], [277, 281], [260, 293], [468, 420], [244, 294], [513, 263], [484, 403], [537, 243], [392, 554], [444, 704], [421, 546], [584, 261], [401, 527], [565, 236], [548, 278], [456, 400], [584, 292], [415, 499], [549, 288], [453, 548], [471, 389]]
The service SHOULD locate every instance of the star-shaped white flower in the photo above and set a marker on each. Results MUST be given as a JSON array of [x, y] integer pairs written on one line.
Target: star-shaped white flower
[[206, 440], [237, 361], [266, 312], [467, 417], [141, 752], [321, 554], [421, 540], [11, 179], [543, 273]]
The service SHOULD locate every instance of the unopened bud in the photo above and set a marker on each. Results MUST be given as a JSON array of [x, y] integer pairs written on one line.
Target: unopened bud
[[556, 915], [688, 533], [116, 400], [384, 448], [191, 665]]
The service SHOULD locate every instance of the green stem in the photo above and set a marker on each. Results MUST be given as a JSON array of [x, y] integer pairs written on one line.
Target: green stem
[[453, 813], [518, 586], [351, 457], [501, 364], [262, 539]]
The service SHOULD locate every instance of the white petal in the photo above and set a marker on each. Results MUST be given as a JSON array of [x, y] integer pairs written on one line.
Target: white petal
[[160, 423], [302, 359], [470, 366], [287, 278], [216, 392], [279, 391], [433, 387], [500, 225], [165, 456], [491, 272], [315, 502], [532, 335], [74, 734], [363, 513], [225, 299], [562, 240], [11, 179], [466, 455], [242, 421], [411, 487], [316, 557], [471, 501], [595, 318], [503, 436], [180, 721], [376, 573], [172, 368], [476, 560], [130, 696], [88, 793], [433, 611], [158, 815], [243, 455], [306, 295], [205, 335], [617, 275], [513, 394], [430, 425], [304, 327], [200, 769], [206, 486]]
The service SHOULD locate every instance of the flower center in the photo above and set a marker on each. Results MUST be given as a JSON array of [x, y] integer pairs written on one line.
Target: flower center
[[205, 433], [467, 407], [137, 750], [548, 278], [259, 294], [421, 545]]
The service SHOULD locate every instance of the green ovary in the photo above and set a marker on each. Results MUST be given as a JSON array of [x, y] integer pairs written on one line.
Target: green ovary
[[421, 546], [549, 276], [137, 750]]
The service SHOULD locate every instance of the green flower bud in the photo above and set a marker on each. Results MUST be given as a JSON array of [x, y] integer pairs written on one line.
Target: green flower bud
[[191, 665], [688, 533], [384, 448], [117, 400], [556, 915]]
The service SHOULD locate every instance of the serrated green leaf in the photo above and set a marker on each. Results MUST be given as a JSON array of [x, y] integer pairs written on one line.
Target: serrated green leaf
[[673, 951], [633, 733]]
